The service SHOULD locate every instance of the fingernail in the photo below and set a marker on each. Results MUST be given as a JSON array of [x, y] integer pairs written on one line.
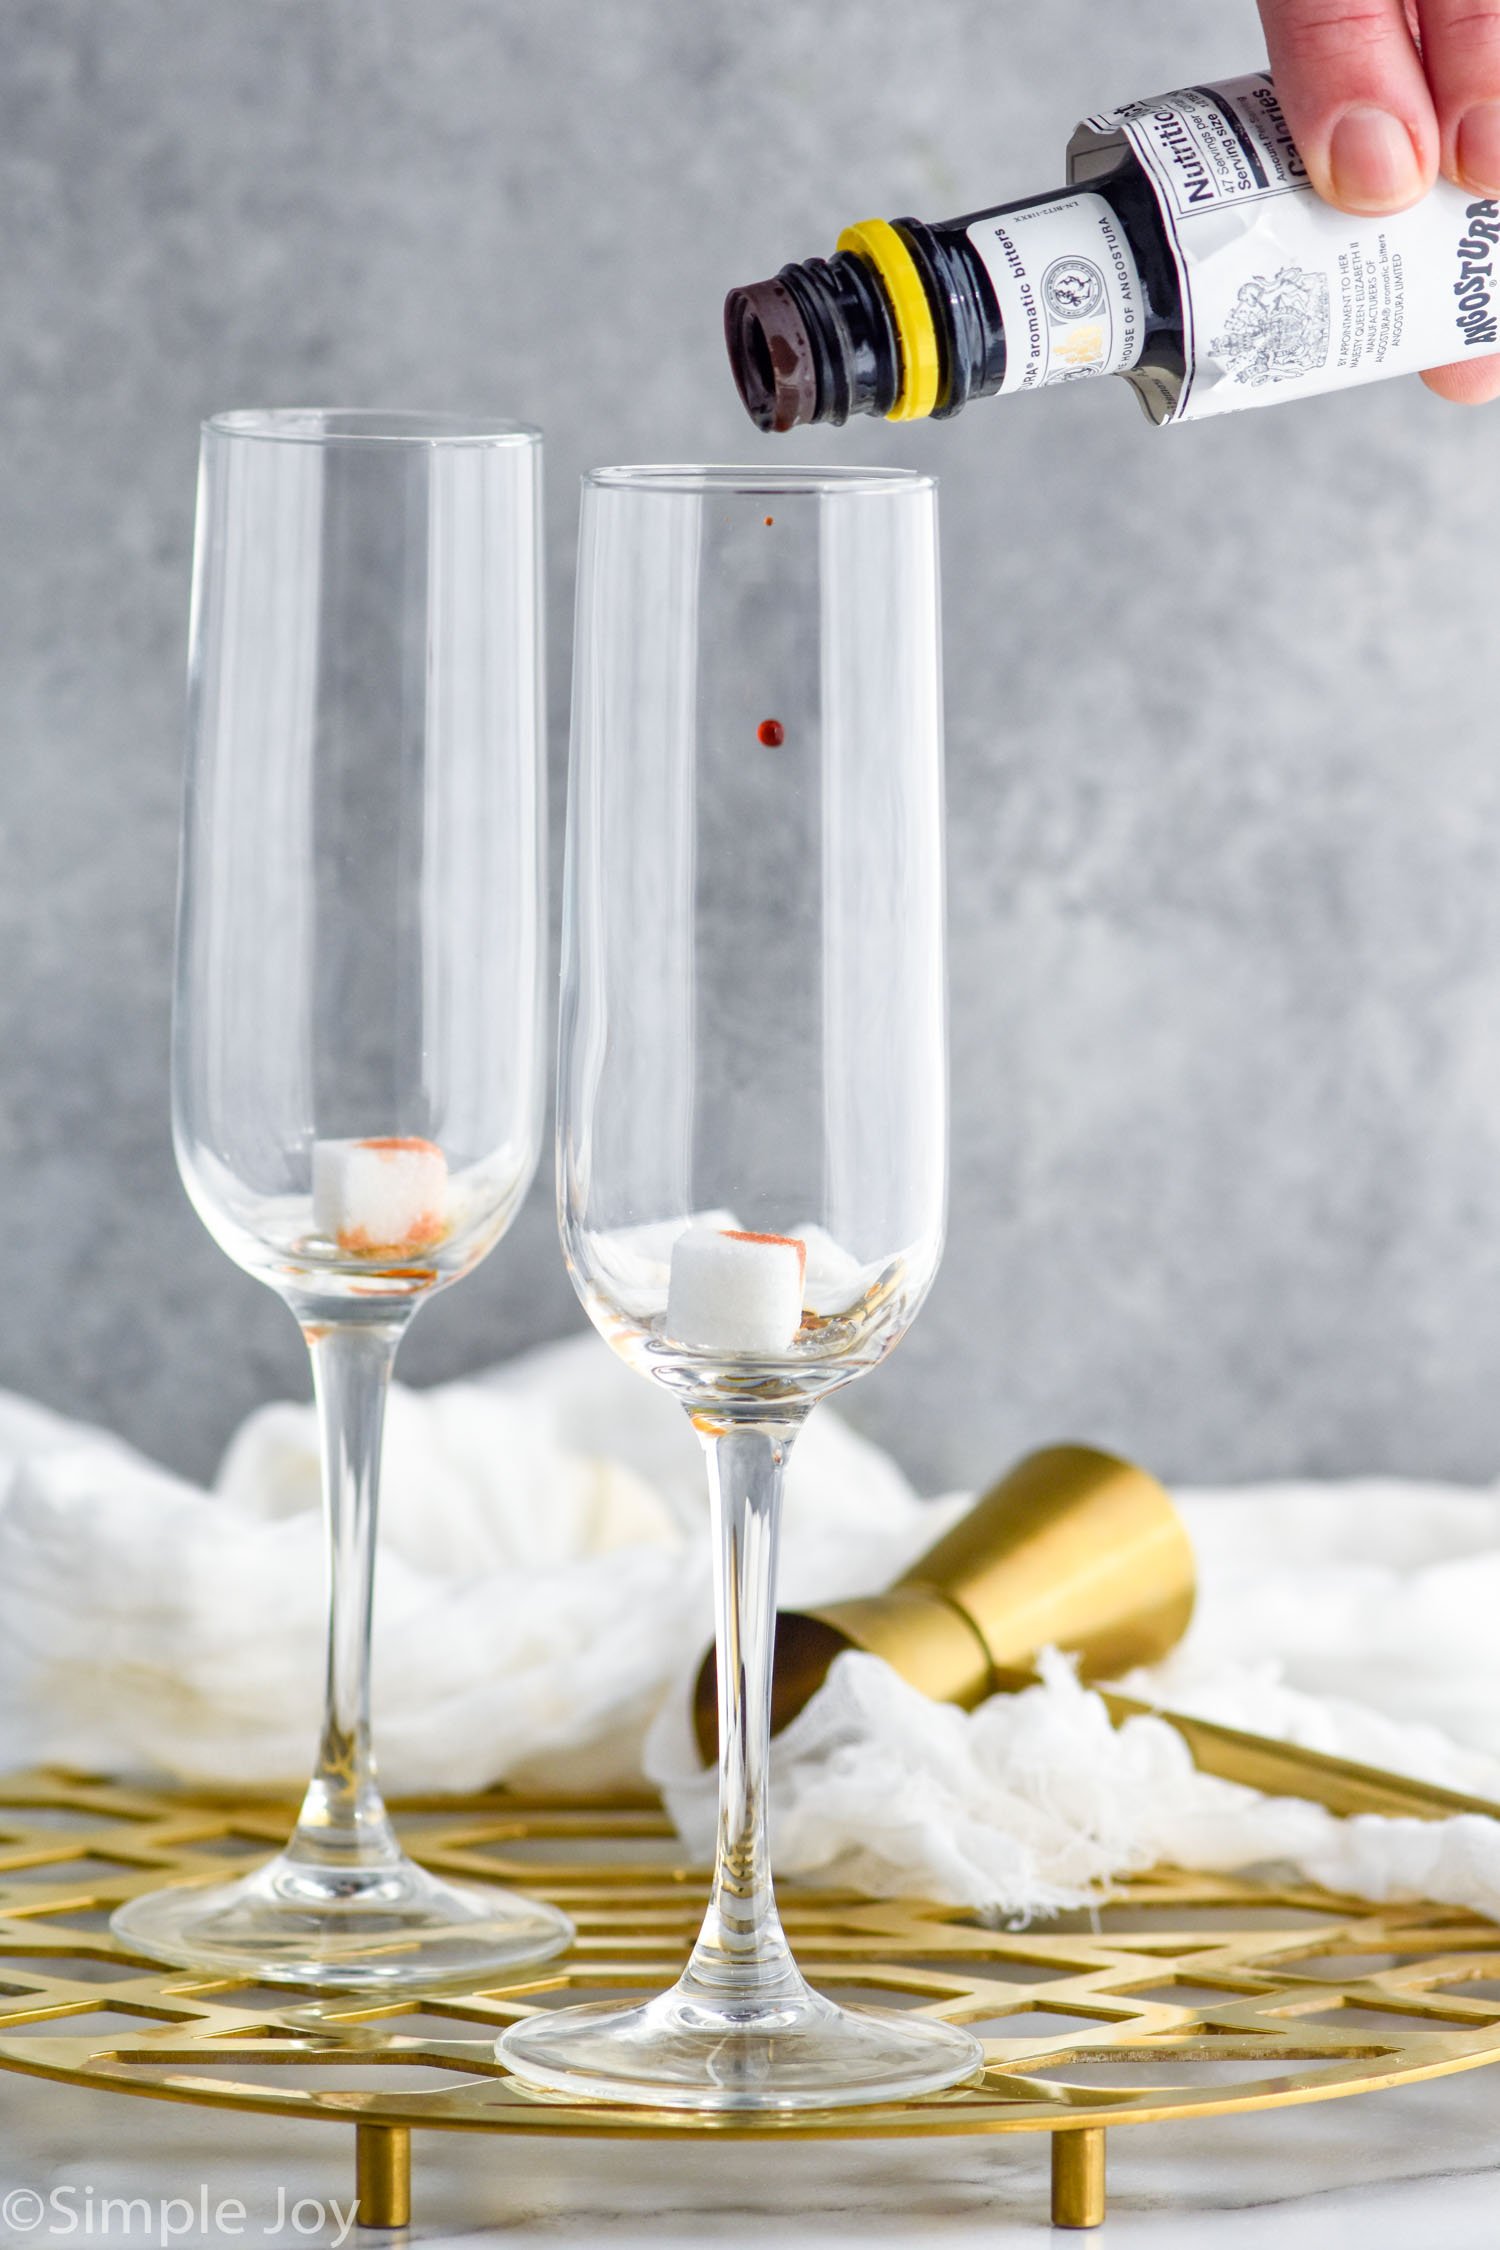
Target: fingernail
[[1478, 147], [1371, 158]]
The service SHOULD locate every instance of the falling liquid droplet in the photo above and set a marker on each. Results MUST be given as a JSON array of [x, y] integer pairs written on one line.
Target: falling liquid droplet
[[770, 734]]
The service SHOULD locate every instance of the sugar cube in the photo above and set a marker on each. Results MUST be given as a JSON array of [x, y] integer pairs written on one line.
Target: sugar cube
[[385, 1197], [735, 1292]]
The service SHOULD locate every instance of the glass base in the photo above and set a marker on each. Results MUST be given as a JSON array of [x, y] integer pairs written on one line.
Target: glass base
[[391, 1927], [678, 2053]]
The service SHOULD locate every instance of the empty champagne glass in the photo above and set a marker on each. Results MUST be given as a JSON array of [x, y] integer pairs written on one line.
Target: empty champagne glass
[[356, 1082], [752, 1118]]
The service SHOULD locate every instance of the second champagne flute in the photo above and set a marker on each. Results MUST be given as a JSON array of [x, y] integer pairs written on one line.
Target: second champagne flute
[[752, 1118], [356, 1066]]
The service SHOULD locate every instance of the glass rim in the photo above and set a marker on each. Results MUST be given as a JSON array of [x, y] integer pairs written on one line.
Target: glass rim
[[761, 480], [367, 425]]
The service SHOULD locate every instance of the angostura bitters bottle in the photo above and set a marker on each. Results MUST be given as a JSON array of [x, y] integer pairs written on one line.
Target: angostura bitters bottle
[[1189, 253]]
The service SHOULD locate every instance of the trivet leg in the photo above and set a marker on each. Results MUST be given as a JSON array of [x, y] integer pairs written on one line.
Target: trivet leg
[[1078, 2178], [382, 2175]]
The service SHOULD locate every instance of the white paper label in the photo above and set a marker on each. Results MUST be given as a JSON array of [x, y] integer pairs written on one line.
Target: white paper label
[[1068, 289], [1283, 295]]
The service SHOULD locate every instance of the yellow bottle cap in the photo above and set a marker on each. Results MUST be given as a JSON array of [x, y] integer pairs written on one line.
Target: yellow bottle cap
[[877, 241]]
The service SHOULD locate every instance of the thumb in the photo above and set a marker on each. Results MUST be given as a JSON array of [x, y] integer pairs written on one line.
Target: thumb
[[1351, 84]]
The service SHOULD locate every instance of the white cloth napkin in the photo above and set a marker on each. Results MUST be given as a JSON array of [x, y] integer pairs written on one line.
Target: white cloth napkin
[[543, 1600], [544, 1573]]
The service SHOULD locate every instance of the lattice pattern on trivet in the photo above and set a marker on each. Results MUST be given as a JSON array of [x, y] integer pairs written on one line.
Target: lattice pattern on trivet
[[1185, 1995]]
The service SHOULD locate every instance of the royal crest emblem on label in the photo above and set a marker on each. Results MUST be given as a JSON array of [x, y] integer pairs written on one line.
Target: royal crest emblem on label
[[1277, 329]]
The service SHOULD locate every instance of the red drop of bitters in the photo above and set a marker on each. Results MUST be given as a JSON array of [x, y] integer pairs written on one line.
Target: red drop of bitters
[[770, 734]]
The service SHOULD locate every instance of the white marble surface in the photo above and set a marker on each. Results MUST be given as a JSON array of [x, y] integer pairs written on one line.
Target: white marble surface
[[1406, 2170]]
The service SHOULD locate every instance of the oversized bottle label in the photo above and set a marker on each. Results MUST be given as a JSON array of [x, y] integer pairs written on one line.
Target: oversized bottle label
[[1067, 287], [1283, 295]]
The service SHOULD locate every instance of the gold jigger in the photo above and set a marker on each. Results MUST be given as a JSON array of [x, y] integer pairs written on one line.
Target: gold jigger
[[1073, 1549]]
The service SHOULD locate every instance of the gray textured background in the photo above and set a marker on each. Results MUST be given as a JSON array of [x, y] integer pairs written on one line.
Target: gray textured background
[[1224, 783]]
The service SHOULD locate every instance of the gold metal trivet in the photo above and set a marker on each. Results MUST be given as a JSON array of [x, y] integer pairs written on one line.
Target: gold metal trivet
[[1186, 1995]]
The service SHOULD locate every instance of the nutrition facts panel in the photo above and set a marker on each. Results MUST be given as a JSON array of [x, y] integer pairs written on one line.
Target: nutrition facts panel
[[1211, 145]]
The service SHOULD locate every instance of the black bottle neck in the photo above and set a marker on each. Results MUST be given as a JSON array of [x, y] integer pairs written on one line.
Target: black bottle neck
[[821, 341], [817, 344]]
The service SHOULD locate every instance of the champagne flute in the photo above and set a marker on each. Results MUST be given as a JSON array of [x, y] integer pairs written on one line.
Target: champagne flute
[[752, 1118], [357, 1087]]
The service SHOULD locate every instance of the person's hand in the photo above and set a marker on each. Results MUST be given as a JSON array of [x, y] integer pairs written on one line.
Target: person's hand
[[1382, 94]]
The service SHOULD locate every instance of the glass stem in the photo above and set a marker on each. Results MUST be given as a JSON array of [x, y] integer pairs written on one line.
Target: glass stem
[[343, 1821], [742, 1958]]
